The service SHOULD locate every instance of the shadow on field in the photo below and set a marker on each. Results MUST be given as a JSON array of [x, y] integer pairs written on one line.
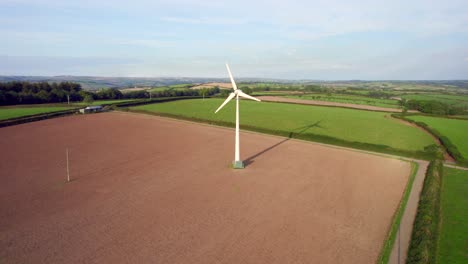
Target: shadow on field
[[303, 129]]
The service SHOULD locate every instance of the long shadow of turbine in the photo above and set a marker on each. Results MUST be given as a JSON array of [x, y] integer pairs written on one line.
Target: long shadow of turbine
[[303, 129]]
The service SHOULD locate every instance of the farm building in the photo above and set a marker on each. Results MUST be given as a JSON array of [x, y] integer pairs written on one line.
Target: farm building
[[91, 109]]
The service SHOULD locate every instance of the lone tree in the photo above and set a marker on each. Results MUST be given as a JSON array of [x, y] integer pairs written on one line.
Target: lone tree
[[88, 99], [203, 92]]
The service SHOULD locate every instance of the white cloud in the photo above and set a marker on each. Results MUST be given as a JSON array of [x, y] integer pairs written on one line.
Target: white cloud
[[305, 19], [207, 21], [150, 43]]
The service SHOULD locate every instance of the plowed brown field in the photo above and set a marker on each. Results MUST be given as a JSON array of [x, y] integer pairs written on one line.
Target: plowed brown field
[[152, 190]]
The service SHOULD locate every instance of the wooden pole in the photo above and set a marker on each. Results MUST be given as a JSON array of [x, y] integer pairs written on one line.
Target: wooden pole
[[399, 227], [68, 168]]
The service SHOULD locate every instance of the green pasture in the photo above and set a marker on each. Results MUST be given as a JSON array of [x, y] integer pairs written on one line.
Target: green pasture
[[273, 93], [15, 112], [349, 99], [454, 129], [182, 85], [175, 87], [453, 238], [165, 88], [103, 102], [345, 124]]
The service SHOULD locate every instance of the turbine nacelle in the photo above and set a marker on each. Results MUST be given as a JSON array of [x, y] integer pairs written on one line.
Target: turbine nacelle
[[236, 93]]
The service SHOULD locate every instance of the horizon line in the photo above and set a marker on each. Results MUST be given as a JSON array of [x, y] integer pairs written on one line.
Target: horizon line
[[227, 78]]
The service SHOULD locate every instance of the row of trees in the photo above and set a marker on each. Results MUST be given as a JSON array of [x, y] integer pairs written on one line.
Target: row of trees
[[42, 92], [434, 107], [379, 94], [12, 93], [171, 93]]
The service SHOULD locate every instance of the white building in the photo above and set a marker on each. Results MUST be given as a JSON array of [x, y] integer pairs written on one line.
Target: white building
[[91, 109]]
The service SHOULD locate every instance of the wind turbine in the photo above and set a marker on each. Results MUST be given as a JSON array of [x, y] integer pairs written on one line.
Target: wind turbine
[[237, 163]]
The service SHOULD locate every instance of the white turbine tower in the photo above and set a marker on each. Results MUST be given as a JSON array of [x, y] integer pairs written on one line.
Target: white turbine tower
[[237, 163]]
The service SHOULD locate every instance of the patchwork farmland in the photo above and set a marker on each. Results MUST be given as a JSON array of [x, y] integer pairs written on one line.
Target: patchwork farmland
[[145, 188]]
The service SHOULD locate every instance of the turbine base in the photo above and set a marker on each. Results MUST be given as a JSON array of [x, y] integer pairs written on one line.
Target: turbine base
[[238, 164]]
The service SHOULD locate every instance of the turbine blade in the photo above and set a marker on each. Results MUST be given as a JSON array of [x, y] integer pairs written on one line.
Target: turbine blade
[[234, 86], [226, 101], [242, 94]]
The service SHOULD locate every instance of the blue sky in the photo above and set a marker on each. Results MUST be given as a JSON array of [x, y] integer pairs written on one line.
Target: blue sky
[[327, 40]]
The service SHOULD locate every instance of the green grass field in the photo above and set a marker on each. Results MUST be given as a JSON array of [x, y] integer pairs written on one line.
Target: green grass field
[[349, 99], [15, 112], [102, 102], [346, 124], [453, 237], [175, 87], [274, 93], [454, 129]]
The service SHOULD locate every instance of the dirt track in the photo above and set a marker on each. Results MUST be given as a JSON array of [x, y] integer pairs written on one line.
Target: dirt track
[[314, 102], [403, 238], [153, 190]]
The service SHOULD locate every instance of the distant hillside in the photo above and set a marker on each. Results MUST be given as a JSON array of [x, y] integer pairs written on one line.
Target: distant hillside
[[94, 83]]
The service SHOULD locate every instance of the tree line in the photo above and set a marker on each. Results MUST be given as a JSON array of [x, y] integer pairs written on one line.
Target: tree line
[[24, 92], [171, 93], [433, 107], [41, 92]]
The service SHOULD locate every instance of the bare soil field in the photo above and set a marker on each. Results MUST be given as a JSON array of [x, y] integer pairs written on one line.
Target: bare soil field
[[127, 90], [146, 189], [213, 85], [313, 102]]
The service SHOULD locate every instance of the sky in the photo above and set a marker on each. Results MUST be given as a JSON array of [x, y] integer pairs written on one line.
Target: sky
[[317, 40]]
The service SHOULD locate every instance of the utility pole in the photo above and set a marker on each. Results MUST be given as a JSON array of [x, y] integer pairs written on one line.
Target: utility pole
[[68, 168]]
